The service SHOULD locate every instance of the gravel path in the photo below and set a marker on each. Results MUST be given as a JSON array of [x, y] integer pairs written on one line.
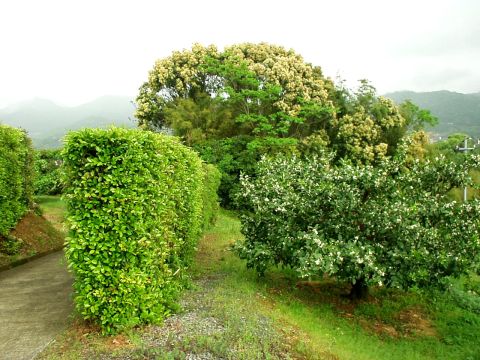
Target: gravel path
[[35, 303]]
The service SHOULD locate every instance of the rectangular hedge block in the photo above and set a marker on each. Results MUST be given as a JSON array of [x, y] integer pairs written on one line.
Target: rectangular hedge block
[[135, 202]]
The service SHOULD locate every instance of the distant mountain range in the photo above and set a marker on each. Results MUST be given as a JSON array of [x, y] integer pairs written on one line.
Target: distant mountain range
[[47, 122], [457, 113]]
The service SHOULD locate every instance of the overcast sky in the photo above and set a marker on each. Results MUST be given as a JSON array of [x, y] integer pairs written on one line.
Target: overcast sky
[[74, 51]]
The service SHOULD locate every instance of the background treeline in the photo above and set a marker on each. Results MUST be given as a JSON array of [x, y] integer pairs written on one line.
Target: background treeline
[[456, 112], [48, 172]]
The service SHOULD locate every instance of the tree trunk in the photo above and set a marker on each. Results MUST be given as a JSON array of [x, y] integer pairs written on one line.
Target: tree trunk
[[359, 290]]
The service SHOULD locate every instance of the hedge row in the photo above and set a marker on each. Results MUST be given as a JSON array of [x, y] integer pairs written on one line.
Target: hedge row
[[135, 210], [16, 176]]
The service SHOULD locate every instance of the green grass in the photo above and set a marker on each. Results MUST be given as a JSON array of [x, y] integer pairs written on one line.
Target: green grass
[[52, 204], [276, 317], [53, 209]]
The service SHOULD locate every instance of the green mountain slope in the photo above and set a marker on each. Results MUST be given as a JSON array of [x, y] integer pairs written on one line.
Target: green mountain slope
[[47, 122], [456, 112]]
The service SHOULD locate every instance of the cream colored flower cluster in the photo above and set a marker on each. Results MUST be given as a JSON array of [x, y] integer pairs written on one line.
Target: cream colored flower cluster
[[362, 132], [180, 71], [183, 71], [276, 65]]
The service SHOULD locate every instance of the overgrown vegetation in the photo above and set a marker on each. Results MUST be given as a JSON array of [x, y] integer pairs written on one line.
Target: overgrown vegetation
[[135, 213], [16, 176]]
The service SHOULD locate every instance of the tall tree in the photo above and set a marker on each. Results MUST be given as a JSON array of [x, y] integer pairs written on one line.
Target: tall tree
[[267, 88]]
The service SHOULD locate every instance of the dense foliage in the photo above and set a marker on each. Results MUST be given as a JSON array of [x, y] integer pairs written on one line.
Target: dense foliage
[[448, 148], [389, 224], [48, 179], [260, 92], [240, 154], [135, 212], [16, 176]]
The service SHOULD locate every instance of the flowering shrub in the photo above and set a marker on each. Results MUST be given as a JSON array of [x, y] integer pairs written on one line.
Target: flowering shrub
[[135, 213], [387, 225]]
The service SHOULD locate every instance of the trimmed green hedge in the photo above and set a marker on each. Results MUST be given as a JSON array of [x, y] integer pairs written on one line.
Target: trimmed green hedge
[[16, 176], [135, 211]]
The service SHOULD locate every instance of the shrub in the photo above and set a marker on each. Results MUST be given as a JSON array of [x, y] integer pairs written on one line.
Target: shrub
[[240, 154], [16, 176], [134, 208], [384, 225], [49, 175]]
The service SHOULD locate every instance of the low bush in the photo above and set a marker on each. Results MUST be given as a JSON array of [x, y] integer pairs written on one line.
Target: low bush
[[16, 176], [10, 245], [135, 211]]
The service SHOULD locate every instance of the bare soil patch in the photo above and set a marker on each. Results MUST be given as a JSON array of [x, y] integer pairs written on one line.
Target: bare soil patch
[[36, 236]]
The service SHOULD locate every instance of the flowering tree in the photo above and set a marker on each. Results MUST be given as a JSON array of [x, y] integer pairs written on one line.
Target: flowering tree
[[388, 225], [263, 83]]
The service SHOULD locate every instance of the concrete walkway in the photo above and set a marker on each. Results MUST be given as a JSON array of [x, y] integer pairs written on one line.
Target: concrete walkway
[[35, 302]]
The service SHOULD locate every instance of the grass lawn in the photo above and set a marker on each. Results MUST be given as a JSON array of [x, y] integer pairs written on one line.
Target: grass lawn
[[54, 210], [230, 313]]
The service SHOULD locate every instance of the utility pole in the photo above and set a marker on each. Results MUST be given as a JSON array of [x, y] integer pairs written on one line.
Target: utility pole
[[465, 149]]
